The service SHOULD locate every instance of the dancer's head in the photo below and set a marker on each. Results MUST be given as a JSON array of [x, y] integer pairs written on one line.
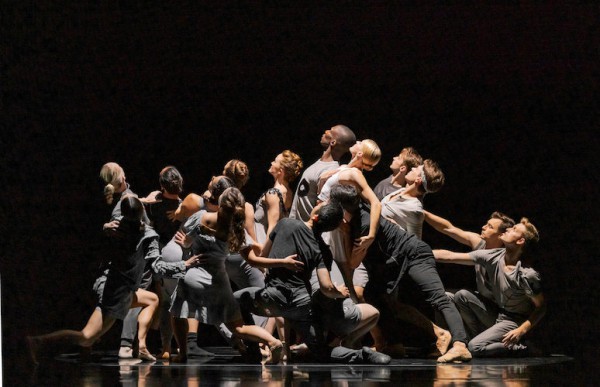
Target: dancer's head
[[287, 164], [237, 171], [327, 216], [367, 153], [428, 177], [346, 195], [171, 180], [521, 234], [406, 160], [216, 187], [495, 226], [114, 177], [338, 139], [132, 210]]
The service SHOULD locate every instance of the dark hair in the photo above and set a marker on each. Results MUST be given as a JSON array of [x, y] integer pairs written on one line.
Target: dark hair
[[329, 217], [506, 221], [217, 189], [232, 216], [346, 195], [170, 179], [132, 209]]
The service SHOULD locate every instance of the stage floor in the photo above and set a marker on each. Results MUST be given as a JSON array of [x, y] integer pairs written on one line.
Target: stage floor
[[105, 368]]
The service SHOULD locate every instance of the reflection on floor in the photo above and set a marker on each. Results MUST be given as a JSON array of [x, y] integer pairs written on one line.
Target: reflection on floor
[[105, 368]]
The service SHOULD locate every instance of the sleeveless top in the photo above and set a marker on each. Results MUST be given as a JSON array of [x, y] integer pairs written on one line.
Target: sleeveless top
[[261, 220]]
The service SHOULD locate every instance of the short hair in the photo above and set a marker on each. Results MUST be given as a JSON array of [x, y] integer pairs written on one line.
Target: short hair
[[434, 176], [506, 221], [112, 175], [132, 209], [292, 165], [237, 171], [171, 180], [218, 187], [531, 233], [232, 211], [370, 150], [346, 195], [329, 217], [411, 158], [347, 138]]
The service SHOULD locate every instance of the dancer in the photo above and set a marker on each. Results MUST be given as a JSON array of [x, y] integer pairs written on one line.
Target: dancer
[[365, 156], [516, 291], [205, 293], [287, 292], [405, 205], [395, 253], [401, 165], [336, 142], [135, 245], [275, 203]]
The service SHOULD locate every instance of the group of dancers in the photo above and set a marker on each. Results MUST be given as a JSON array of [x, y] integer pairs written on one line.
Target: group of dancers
[[305, 275]]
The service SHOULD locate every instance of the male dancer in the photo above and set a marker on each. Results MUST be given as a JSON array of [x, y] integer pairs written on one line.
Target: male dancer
[[336, 142], [401, 165], [516, 291]]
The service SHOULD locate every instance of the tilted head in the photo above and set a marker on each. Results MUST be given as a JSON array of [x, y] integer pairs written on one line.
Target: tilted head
[[287, 163], [495, 226], [327, 217], [232, 216], [114, 177], [237, 171], [521, 234], [406, 160], [428, 177], [367, 152], [171, 180], [216, 187]]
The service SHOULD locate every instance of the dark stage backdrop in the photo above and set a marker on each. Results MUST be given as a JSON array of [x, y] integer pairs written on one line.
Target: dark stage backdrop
[[504, 98]]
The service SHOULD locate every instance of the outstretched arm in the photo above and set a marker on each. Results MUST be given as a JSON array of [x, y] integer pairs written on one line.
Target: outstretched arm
[[290, 262], [535, 317], [444, 226], [447, 256]]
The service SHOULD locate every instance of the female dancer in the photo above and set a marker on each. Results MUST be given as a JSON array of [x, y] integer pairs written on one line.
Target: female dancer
[[205, 292], [275, 204], [135, 244], [365, 156]]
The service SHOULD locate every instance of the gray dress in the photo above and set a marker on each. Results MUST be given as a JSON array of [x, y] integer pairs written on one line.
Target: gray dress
[[205, 292]]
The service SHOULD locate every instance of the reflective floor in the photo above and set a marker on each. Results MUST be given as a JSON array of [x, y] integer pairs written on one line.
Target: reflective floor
[[104, 368]]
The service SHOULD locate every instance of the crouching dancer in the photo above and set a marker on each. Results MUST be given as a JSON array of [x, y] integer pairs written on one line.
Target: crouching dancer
[[287, 292]]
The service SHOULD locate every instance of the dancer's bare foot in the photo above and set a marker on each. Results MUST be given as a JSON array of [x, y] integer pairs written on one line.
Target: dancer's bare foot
[[457, 354], [144, 354], [444, 338], [276, 349]]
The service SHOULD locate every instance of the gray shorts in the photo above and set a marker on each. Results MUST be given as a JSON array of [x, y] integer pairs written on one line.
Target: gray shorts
[[340, 316], [360, 277]]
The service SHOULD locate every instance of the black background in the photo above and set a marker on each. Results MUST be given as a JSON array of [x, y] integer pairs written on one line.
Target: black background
[[505, 98]]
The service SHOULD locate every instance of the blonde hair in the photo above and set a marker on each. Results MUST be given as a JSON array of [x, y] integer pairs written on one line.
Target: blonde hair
[[292, 165], [370, 150], [434, 176], [237, 171], [112, 175], [232, 216], [531, 233]]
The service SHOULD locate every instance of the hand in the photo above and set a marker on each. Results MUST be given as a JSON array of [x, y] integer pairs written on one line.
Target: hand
[[195, 260], [183, 239], [343, 289], [291, 263], [513, 337], [363, 243], [153, 197], [111, 228]]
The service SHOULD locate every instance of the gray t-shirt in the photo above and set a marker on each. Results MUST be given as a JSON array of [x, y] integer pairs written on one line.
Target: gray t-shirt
[[384, 188], [305, 198], [482, 279], [511, 290]]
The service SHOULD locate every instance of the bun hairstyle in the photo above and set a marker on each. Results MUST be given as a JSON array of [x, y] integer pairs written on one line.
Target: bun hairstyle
[[217, 187], [371, 150], [113, 176], [171, 180], [237, 171], [292, 165], [232, 216]]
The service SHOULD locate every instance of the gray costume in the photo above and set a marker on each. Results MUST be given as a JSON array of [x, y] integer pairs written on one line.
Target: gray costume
[[305, 198], [384, 187], [511, 293]]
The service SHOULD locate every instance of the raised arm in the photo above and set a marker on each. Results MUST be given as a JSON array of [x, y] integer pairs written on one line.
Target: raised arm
[[447, 256], [444, 226], [535, 317]]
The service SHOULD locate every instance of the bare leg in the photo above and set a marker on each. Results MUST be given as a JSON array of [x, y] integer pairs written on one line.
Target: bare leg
[[149, 302], [257, 334], [95, 327], [369, 318]]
